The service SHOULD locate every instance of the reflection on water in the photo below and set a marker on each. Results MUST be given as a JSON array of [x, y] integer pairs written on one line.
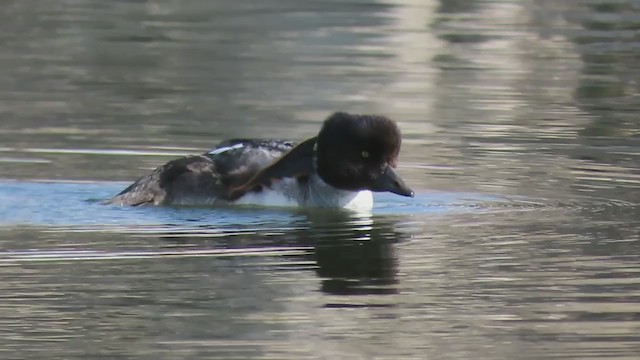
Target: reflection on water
[[520, 135]]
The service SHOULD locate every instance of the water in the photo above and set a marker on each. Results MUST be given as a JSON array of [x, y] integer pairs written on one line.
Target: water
[[521, 138]]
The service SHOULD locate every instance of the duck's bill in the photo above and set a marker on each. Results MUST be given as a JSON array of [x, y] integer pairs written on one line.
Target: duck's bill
[[391, 182]]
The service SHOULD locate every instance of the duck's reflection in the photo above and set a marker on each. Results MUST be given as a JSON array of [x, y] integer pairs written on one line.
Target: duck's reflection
[[354, 253]]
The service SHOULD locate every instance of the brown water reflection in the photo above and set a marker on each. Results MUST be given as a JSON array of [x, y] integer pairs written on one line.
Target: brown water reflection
[[520, 133]]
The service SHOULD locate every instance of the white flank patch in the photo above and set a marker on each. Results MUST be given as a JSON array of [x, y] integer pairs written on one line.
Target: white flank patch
[[266, 197], [289, 193], [282, 193], [226, 148]]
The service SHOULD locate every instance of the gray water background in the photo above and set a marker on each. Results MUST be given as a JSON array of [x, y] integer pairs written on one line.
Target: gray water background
[[521, 139]]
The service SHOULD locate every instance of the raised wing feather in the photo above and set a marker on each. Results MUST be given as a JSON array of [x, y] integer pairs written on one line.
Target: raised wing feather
[[239, 160], [297, 163]]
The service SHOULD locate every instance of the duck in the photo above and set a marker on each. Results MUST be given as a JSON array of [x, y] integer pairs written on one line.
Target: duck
[[352, 156]]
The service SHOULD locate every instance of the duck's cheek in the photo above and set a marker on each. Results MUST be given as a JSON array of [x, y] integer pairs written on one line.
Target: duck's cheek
[[373, 175], [350, 174]]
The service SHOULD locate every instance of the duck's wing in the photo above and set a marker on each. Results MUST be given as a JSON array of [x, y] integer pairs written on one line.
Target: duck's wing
[[239, 160], [201, 179], [297, 163]]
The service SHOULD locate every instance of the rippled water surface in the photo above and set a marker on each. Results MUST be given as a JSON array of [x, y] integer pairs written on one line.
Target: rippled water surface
[[521, 139]]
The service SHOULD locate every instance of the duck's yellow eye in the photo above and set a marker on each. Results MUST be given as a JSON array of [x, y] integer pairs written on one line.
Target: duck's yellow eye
[[365, 154]]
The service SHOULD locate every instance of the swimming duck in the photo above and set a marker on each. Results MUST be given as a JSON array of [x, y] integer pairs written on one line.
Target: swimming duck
[[352, 156]]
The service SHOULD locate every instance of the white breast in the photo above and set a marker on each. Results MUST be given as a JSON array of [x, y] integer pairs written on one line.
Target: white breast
[[320, 194], [363, 200]]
